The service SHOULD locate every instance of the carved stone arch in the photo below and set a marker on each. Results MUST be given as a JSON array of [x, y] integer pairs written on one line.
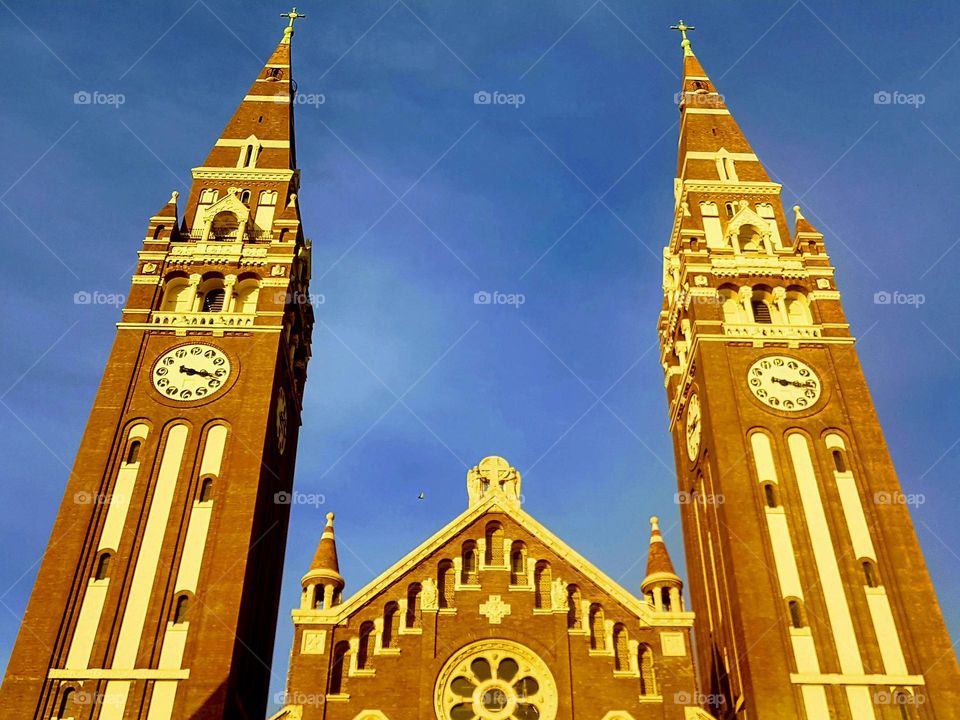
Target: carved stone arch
[[229, 203], [745, 216]]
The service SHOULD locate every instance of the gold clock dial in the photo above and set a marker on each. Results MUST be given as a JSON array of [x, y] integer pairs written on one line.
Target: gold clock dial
[[694, 427], [784, 383], [281, 421], [191, 372]]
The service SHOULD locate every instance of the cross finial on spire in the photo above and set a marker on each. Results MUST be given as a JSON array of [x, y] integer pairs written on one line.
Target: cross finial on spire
[[685, 42], [294, 16]]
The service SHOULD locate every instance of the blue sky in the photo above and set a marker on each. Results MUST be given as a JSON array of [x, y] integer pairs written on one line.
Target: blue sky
[[503, 199]]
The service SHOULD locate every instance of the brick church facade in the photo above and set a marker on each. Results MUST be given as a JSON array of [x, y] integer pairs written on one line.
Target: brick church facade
[[807, 599]]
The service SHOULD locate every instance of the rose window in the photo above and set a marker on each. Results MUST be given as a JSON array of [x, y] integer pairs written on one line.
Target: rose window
[[496, 680]]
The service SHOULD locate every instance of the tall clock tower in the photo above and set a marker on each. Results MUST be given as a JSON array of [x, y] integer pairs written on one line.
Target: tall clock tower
[[157, 596], [810, 590]]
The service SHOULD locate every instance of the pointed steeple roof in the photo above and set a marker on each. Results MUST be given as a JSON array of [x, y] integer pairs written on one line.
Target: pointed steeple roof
[[325, 563], [803, 225], [708, 130], [263, 119], [659, 566]]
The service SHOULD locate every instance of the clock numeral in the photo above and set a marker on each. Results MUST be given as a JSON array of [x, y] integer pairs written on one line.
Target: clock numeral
[[196, 350], [201, 391], [181, 353], [171, 391], [168, 360], [161, 371], [214, 383], [210, 354], [162, 382]]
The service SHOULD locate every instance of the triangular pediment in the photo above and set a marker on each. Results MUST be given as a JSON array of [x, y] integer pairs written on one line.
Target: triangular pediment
[[521, 526]]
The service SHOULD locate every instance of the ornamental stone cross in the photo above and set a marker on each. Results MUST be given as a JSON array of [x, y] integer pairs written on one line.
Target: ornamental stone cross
[[495, 609]]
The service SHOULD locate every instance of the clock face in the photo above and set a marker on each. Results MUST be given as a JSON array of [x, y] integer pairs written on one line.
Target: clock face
[[784, 383], [281, 421], [191, 372], [694, 427]]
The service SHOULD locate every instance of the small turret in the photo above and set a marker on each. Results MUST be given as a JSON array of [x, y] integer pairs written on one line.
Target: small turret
[[323, 584], [662, 586]]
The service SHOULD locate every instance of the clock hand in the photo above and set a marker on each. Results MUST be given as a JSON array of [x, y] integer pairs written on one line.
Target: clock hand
[[190, 371]]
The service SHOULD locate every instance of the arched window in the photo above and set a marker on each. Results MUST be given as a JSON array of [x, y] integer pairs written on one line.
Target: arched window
[[904, 702], [469, 574], [65, 709], [246, 296], [133, 452], [839, 461], [338, 668], [598, 639], [798, 309], [730, 304], [391, 624], [665, 599], [208, 196], [542, 580], [224, 226], [648, 679], [181, 609], [445, 584], [365, 647], [574, 609], [493, 554], [750, 239], [871, 578], [319, 596], [103, 567], [176, 296], [206, 490], [797, 618], [268, 197], [413, 605], [159, 231], [213, 301], [761, 310], [731, 209], [621, 648], [245, 197], [518, 563], [248, 156], [770, 495]]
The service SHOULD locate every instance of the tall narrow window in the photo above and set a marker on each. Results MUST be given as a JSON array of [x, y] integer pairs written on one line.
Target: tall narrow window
[[181, 610], [413, 605], [761, 311], [542, 579], [133, 452], [103, 567], [365, 647], [597, 628], [574, 610], [770, 495], [206, 490], [319, 596], [839, 462], [665, 599], [445, 584], [796, 613], [213, 301], [338, 668], [648, 680], [391, 624], [493, 554], [870, 576], [65, 709], [468, 573], [621, 650], [518, 563], [158, 233]]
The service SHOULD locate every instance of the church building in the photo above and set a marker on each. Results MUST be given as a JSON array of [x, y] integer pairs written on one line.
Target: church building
[[158, 595]]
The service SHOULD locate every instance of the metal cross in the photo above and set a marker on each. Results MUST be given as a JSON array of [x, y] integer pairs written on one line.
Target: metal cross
[[681, 26], [294, 15]]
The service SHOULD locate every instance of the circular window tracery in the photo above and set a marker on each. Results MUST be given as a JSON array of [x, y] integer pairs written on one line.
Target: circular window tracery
[[496, 680]]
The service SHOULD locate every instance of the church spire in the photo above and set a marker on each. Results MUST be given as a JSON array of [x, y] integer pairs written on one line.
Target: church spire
[[712, 146], [661, 585], [254, 158], [323, 584]]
